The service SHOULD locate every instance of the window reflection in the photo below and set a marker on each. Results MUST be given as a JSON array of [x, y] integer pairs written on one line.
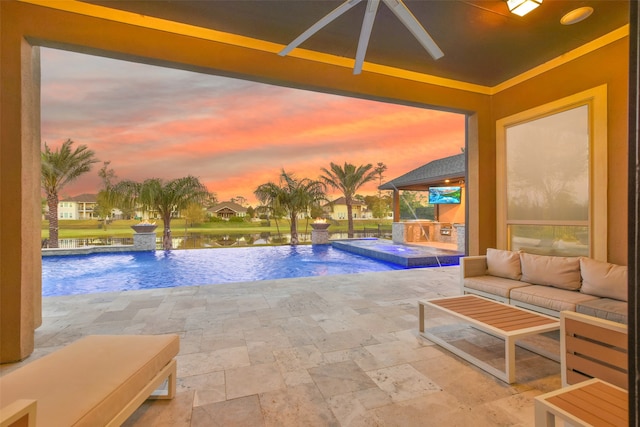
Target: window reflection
[[547, 180]]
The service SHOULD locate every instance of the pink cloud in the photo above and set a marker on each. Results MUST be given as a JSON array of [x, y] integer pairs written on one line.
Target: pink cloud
[[232, 134]]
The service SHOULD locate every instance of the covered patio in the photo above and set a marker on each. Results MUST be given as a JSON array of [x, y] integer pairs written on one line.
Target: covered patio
[[319, 351], [322, 351]]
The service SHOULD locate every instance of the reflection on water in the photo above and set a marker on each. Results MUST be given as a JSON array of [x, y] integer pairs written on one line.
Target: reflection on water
[[201, 241]]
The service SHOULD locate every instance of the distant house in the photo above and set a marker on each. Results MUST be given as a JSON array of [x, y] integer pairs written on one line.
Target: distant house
[[338, 209], [226, 210], [83, 207], [78, 207]]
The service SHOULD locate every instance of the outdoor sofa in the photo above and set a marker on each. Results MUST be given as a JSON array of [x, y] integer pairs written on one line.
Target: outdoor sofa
[[548, 284], [99, 380]]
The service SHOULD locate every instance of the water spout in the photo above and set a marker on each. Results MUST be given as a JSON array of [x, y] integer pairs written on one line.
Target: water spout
[[415, 216]]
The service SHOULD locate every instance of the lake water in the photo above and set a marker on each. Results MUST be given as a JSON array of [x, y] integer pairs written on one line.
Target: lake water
[[83, 274]]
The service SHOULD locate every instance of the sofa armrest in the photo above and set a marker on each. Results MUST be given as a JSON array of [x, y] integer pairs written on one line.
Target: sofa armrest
[[471, 266], [19, 413]]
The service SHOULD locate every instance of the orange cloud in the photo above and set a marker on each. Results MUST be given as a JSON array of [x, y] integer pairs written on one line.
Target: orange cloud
[[232, 134]]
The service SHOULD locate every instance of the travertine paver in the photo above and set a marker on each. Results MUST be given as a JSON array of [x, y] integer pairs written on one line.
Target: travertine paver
[[321, 351]]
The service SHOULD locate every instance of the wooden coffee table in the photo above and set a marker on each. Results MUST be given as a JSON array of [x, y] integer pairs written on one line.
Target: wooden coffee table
[[495, 318], [588, 403]]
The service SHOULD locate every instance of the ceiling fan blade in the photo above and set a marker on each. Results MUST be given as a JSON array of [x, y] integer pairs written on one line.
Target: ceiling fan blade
[[365, 34], [319, 25], [414, 26]]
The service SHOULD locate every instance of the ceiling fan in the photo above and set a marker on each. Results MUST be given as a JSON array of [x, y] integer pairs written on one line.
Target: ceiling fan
[[397, 7]]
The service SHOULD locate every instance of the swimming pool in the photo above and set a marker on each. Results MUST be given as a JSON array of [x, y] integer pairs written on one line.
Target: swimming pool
[[84, 274]]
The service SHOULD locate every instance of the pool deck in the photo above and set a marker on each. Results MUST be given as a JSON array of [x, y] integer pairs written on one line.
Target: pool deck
[[406, 255], [335, 351]]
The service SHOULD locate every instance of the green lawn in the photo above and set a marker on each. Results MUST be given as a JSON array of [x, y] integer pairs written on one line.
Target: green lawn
[[122, 228]]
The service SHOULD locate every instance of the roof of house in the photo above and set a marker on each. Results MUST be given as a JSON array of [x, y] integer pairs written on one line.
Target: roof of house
[[82, 198], [227, 205], [343, 201], [437, 171]]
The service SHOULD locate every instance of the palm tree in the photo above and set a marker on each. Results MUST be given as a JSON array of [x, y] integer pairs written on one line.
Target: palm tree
[[163, 197], [58, 168], [379, 170], [104, 206], [348, 179], [380, 206], [292, 195], [274, 212]]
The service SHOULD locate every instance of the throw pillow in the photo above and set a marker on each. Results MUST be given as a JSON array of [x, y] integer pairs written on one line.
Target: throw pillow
[[559, 272], [602, 279], [503, 264]]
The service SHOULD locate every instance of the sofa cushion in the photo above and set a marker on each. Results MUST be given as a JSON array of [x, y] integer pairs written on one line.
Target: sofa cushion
[[493, 285], [603, 279], [605, 308], [549, 297], [89, 381], [556, 271], [503, 264]]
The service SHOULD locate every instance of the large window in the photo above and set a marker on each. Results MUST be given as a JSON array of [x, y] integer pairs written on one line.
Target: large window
[[552, 178]]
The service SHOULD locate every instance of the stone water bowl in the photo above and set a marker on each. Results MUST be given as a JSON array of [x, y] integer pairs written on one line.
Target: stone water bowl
[[320, 225], [144, 228]]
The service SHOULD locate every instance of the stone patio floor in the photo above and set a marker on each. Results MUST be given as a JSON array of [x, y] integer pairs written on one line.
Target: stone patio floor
[[321, 351]]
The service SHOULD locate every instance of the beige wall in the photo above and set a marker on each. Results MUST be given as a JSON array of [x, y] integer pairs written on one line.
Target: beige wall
[[573, 78], [20, 273]]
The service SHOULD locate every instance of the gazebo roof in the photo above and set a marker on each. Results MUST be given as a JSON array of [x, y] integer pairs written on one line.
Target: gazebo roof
[[434, 172]]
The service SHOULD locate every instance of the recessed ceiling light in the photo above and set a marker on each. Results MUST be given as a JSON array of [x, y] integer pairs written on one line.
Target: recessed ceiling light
[[576, 15]]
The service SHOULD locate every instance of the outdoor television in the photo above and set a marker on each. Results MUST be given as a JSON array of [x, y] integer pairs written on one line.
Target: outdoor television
[[445, 195]]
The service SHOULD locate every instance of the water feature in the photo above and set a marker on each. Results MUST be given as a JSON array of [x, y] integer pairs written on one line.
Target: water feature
[[413, 212], [82, 274]]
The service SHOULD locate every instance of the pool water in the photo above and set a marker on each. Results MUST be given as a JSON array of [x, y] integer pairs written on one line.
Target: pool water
[[84, 274]]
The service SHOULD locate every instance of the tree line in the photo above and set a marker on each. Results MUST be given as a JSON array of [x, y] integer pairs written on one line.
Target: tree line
[[289, 196]]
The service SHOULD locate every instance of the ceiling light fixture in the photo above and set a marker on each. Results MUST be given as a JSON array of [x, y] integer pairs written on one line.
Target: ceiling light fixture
[[522, 7], [397, 7]]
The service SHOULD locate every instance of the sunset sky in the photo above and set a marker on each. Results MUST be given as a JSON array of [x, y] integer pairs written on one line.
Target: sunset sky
[[232, 134]]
